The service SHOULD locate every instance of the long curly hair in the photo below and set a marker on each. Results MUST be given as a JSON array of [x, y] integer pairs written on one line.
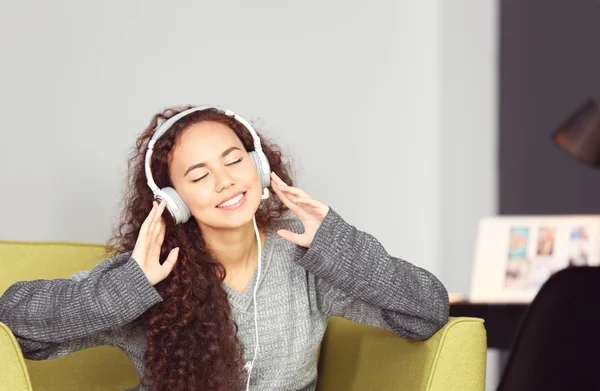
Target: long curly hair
[[192, 341]]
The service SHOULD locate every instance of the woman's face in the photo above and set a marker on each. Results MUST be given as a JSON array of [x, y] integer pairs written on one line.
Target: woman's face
[[214, 175]]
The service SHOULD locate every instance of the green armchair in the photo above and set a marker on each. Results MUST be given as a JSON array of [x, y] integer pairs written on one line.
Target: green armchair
[[353, 356]]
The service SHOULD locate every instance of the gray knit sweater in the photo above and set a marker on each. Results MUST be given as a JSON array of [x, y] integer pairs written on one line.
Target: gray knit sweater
[[345, 272]]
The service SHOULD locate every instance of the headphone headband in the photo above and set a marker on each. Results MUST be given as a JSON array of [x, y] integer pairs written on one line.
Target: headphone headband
[[162, 128]]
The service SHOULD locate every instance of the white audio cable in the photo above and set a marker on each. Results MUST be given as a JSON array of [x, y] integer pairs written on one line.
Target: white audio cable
[[249, 365]]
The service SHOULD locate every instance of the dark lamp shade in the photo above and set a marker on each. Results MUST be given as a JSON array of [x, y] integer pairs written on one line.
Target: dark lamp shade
[[579, 135]]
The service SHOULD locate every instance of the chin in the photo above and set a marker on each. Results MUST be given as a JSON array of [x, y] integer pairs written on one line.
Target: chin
[[238, 221]]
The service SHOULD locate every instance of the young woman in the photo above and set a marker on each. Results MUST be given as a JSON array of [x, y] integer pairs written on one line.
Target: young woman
[[214, 285]]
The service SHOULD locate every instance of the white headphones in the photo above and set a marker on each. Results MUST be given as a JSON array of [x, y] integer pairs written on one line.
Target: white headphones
[[175, 204]]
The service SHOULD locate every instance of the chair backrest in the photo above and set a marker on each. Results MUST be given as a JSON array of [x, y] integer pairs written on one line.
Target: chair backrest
[[357, 357], [558, 341], [23, 261]]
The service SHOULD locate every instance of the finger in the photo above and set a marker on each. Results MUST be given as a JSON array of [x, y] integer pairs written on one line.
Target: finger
[[146, 222], [286, 201], [159, 211], [158, 236], [295, 192], [158, 226], [151, 213], [290, 189], [155, 243], [157, 216], [278, 181], [161, 233], [170, 262], [308, 201], [297, 200], [290, 236], [276, 178]]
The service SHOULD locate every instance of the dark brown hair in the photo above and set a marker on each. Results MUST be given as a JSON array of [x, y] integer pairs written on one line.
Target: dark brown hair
[[191, 336]]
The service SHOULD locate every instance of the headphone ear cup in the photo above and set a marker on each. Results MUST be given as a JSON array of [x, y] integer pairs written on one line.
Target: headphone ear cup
[[262, 166], [178, 209]]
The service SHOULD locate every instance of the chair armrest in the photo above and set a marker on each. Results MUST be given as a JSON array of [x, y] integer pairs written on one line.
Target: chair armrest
[[461, 357], [358, 357], [13, 371]]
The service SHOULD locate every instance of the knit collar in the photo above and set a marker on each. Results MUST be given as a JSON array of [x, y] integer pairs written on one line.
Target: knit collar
[[242, 301]]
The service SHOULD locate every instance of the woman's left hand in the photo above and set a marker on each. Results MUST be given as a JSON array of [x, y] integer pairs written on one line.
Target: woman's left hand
[[310, 211]]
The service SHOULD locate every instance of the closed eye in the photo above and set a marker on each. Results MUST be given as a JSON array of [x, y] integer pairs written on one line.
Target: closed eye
[[230, 164], [236, 162], [202, 177]]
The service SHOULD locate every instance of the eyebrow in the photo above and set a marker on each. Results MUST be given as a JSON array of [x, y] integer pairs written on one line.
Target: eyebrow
[[198, 165]]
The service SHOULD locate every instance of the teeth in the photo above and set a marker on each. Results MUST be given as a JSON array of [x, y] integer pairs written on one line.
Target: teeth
[[232, 201]]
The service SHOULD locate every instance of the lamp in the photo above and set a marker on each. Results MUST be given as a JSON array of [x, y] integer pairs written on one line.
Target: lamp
[[579, 135]]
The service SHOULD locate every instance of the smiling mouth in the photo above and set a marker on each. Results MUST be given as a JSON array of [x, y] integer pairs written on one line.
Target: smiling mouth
[[232, 202]]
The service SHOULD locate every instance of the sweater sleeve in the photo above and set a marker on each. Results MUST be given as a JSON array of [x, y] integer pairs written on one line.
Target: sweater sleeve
[[356, 278], [51, 318]]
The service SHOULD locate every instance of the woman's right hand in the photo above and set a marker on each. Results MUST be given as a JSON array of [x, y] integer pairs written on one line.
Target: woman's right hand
[[148, 245]]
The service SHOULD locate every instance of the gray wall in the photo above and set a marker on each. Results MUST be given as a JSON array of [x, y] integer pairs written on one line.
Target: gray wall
[[469, 85], [375, 104], [550, 63], [351, 90], [468, 139], [386, 107]]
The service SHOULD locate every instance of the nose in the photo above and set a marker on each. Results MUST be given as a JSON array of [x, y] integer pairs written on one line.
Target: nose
[[223, 181]]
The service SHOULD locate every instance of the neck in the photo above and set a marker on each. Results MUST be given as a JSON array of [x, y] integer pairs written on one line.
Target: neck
[[236, 249]]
